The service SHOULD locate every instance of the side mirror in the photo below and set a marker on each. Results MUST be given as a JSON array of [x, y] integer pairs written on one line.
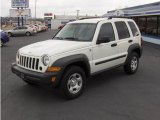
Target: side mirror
[[103, 40]]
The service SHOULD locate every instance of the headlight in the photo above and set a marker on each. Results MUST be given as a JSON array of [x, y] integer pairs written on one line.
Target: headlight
[[45, 60], [17, 56]]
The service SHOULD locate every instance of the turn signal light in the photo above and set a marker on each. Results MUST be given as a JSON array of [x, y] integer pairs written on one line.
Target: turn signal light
[[54, 69]]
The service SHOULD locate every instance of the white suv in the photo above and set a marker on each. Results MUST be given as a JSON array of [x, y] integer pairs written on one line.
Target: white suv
[[79, 50]]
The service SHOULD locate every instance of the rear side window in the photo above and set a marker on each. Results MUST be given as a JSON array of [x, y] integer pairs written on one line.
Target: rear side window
[[122, 30], [107, 31], [133, 29]]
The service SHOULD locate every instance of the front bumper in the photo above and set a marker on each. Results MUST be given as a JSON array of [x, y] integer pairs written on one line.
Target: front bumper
[[36, 77]]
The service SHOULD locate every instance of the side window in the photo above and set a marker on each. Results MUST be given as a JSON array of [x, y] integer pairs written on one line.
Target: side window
[[133, 28], [122, 30], [107, 31], [24, 28], [17, 28]]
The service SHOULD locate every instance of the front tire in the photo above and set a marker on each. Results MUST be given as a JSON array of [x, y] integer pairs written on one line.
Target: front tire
[[9, 34], [28, 33], [1, 43], [132, 63], [73, 81]]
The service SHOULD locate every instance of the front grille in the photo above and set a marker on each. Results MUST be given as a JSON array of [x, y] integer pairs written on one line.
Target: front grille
[[28, 62]]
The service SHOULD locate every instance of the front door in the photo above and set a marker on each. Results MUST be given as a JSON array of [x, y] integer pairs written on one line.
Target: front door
[[105, 54], [16, 31]]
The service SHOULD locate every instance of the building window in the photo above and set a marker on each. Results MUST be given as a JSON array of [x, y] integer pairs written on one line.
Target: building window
[[159, 25], [142, 24], [151, 26]]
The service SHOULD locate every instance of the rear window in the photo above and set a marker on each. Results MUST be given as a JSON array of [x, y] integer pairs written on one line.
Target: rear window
[[133, 28], [122, 30]]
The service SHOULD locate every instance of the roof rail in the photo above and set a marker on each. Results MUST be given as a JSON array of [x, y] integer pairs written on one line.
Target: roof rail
[[88, 18], [116, 17]]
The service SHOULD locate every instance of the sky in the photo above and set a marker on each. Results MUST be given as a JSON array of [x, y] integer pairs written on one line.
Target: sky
[[69, 7]]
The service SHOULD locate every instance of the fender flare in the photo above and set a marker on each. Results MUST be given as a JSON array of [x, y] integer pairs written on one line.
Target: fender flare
[[134, 47], [68, 60]]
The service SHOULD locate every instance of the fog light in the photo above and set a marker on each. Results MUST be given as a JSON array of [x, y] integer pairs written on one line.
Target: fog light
[[53, 79]]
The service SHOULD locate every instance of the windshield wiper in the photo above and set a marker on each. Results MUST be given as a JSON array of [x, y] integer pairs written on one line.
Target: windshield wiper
[[71, 38], [59, 38]]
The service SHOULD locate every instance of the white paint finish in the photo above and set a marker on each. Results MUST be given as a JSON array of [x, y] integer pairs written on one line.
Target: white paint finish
[[57, 49]]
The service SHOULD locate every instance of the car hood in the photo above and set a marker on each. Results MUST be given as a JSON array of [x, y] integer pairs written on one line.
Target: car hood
[[52, 47], [7, 30]]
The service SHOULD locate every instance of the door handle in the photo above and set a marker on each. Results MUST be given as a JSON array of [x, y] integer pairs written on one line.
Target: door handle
[[130, 41], [114, 45]]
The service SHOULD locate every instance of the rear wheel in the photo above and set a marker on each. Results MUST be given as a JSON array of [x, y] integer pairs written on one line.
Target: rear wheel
[[73, 81], [132, 63], [28, 33]]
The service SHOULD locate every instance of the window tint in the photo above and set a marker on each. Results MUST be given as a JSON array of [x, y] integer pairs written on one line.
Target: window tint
[[107, 31], [24, 27], [133, 29], [122, 30], [77, 32], [17, 28]]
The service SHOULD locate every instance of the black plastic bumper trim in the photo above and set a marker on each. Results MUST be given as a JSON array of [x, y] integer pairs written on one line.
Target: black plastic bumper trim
[[36, 77]]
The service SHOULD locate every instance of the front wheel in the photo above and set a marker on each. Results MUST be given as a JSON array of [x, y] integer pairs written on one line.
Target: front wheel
[[28, 33], [9, 34], [132, 63], [73, 82], [1, 43]]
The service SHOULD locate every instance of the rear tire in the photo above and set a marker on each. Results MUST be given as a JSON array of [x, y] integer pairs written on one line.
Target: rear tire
[[132, 63], [73, 82], [28, 33]]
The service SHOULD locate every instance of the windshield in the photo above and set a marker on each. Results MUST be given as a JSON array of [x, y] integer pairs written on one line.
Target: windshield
[[77, 32]]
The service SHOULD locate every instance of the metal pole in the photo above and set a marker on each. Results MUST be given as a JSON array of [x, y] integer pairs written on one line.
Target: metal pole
[[78, 14], [22, 18], [35, 10], [18, 19]]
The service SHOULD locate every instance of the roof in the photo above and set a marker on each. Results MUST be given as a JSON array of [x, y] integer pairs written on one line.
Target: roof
[[92, 20], [147, 9], [96, 20]]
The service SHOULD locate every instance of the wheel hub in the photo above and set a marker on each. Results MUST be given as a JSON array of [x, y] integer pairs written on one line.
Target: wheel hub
[[134, 63], [74, 83]]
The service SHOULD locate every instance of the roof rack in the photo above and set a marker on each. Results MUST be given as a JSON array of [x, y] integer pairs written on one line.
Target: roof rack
[[103, 17], [88, 18], [116, 17]]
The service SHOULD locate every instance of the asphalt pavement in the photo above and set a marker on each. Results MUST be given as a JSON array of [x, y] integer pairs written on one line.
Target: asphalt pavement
[[111, 95]]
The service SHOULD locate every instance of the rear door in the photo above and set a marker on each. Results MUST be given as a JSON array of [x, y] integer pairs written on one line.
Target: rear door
[[124, 40], [135, 33], [104, 54], [24, 30]]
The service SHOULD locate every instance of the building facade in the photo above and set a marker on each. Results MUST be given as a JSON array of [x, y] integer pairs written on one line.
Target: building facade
[[146, 16]]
